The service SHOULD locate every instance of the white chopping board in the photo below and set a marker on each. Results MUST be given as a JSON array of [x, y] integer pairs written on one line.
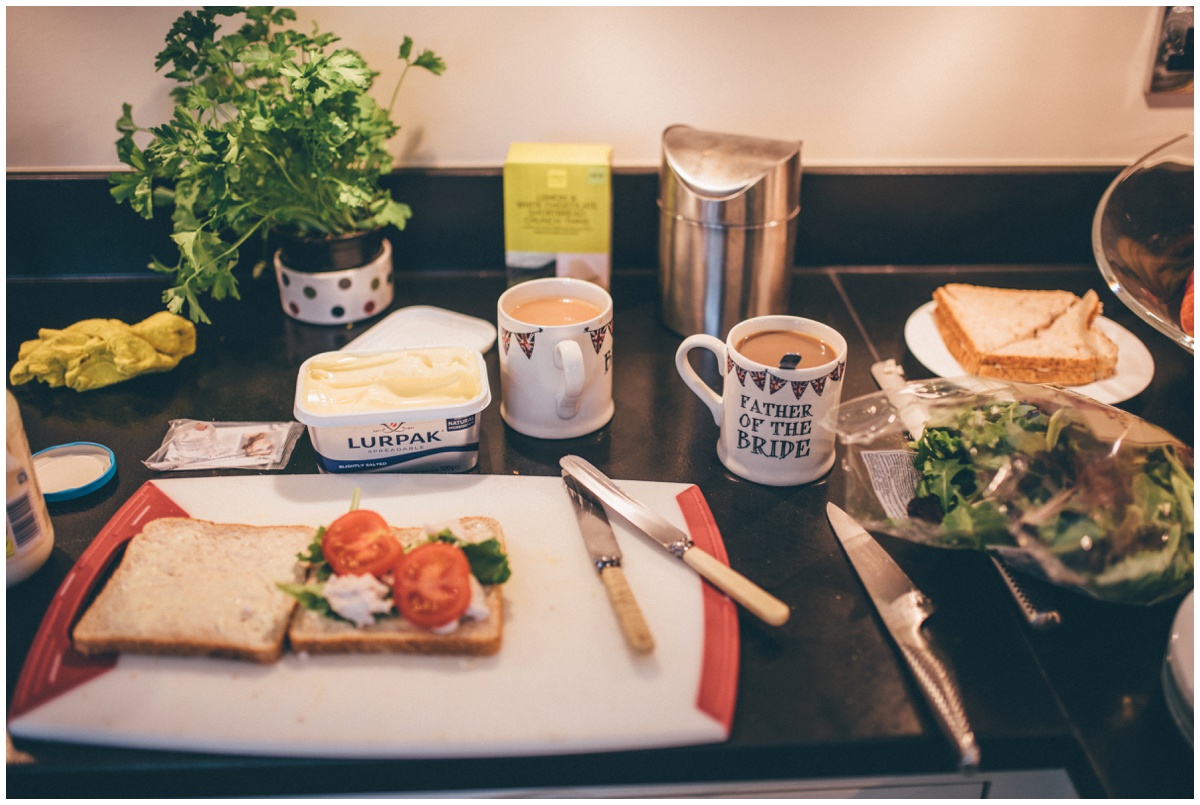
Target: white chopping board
[[563, 682]]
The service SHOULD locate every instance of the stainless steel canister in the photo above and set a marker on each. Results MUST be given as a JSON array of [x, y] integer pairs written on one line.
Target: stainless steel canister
[[728, 207]]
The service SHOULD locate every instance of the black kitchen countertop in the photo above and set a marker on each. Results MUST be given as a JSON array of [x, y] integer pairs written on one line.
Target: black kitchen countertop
[[825, 696]]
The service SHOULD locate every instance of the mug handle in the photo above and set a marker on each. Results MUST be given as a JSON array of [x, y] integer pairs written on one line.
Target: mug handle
[[569, 357], [701, 389]]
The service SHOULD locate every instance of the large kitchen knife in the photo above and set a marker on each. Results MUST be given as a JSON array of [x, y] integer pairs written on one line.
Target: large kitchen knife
[[903, 609], [754, 598], [606, 556]]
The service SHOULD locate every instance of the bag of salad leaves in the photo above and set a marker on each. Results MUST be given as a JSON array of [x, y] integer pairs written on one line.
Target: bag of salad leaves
[[1077, 492]]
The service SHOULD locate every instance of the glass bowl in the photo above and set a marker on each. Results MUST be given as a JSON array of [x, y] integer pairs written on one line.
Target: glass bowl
[[1142, 235]]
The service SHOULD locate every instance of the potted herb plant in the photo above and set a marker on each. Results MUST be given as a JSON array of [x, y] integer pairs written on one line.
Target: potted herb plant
[[274, 136]]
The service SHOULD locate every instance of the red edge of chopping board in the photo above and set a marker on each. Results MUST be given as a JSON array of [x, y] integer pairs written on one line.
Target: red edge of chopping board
[[717, 695], [53, 666]]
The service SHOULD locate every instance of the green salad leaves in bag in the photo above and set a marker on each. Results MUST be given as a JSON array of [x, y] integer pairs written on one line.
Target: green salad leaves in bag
[[1082, 494]]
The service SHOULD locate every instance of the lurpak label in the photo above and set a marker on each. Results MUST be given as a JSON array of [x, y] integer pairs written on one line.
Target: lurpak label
[[449, 445]]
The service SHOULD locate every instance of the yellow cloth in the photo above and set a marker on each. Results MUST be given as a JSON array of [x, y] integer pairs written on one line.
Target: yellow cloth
[[94, 353]]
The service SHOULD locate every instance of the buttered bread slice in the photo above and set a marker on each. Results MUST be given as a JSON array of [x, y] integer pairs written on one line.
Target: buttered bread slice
[[314, 633], [195, 588]]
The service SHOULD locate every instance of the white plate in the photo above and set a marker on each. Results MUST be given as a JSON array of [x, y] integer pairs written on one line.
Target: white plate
[[1135, 364], [426, 326]]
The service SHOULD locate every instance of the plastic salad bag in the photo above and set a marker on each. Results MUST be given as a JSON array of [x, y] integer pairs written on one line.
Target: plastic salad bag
[[1082, 494]]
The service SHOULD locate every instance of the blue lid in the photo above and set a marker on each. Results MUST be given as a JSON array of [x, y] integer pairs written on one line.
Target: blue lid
[[72, 470]]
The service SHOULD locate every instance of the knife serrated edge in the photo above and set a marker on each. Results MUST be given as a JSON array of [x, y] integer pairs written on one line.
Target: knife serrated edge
[[1035, 616]]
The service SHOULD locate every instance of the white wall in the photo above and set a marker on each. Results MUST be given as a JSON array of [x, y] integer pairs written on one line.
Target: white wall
[[893, 86]]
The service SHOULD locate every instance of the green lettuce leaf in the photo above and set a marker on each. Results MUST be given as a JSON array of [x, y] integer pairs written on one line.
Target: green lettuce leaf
[[489, 563]]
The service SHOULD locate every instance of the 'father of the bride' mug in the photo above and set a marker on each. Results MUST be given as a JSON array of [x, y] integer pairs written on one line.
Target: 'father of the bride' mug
[[781, 374], [556, 348]]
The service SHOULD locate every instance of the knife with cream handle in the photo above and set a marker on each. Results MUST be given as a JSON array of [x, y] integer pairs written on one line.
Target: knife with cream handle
[[903, 609], [889, 376], [754, 598], [605, 554]]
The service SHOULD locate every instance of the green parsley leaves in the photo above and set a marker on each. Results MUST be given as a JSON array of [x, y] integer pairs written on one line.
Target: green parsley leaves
[[273, 129]]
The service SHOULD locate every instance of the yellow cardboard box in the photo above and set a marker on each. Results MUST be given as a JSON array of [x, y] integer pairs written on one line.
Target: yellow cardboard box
[[558, 211]]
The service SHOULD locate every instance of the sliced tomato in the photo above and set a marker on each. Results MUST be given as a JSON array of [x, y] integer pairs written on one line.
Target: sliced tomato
[[431, 586], [360, 542]]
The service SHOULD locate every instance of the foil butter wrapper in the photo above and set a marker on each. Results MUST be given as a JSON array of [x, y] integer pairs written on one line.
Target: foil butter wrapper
[[192, 444]]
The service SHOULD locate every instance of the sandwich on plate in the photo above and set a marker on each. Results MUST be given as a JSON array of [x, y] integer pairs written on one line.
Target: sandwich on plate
[[1026, 336]]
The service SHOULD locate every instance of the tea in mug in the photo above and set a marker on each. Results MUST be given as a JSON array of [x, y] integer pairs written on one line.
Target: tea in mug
[[770, 347], [554, 311]]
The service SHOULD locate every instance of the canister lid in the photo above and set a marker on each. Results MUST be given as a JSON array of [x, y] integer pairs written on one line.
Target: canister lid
[[728, 179], [72, 470]]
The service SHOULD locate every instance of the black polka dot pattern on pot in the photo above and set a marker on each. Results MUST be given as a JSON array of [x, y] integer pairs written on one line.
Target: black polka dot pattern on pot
[[324, 299]]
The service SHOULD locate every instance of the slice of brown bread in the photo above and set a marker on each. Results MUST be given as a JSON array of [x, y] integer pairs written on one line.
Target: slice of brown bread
[[1070, 352], [195, 588], [975, 320], [1028, 336], [314, 633]]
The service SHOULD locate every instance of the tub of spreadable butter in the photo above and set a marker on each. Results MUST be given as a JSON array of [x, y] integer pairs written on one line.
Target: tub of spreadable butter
[[402, 410]]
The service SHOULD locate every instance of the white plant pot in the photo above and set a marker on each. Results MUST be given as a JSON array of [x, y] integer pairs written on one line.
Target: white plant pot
[[337, 297]]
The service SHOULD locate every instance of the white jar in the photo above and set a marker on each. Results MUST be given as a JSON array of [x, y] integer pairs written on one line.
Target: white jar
[[29, 532]]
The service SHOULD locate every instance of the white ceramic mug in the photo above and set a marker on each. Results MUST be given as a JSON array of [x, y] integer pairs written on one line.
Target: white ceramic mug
[[555, 379], [770, 418]]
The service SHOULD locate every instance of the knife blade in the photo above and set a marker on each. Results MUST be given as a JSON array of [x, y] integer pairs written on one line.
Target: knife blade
[[754, 598], [605, 554], [903, 609], [889, 376]]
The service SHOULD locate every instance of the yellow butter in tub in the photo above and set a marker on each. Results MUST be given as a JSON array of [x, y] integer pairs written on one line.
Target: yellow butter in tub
[[344, 383]]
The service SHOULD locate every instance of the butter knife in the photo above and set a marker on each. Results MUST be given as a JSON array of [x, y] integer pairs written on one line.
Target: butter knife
[[889, 376], [903, 609], [754, 598], [605, 554]]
